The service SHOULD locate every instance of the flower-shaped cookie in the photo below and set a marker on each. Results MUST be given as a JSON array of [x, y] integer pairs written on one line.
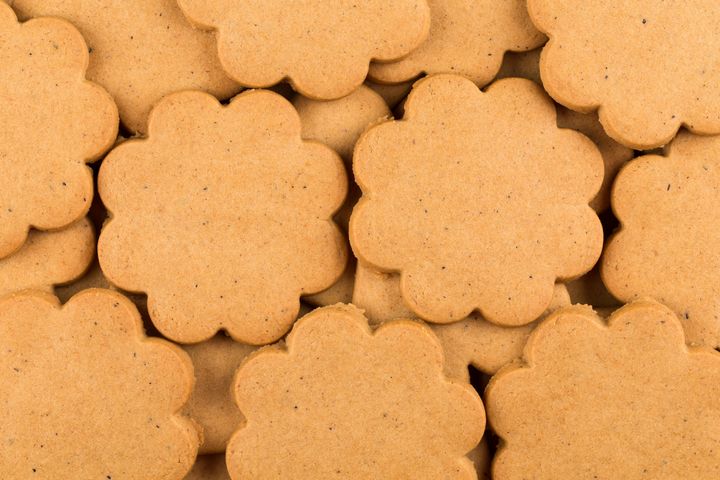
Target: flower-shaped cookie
[[622, 57], [466, 38], [211, 405], [478, 200], [323, 48], [47, 259], [222, 216], [376, 404], [140, 50], [85, 394], [53, 123], [626, 399], [668, 246]]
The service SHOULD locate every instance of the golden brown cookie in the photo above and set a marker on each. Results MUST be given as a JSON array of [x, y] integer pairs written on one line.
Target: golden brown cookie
[[623, 57], [590, 290], [668, 246], [392, 94], [222, 216], [140, 50], [376, 404], [49, 258], [481, 458], [478, 200], [468, 38], [53, 123], [85, 394], [211, 405], [623, 399], [615, 155], [209, 467], [323, 48]]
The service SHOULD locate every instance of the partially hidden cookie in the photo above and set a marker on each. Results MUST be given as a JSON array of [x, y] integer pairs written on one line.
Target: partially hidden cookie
[[53, 123], [668, 244], [215, 362], [48, 258], [223, 216], [466, 38], [590, 290], [392, 94], [478, 200], [623, 399], [621, 58], [470, 341], [140, 50], [375, 403], [85, 394], [615, 155], [209, 467], [322, 48]]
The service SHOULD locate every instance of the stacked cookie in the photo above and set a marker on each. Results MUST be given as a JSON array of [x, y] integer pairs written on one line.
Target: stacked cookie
[[359, 240]]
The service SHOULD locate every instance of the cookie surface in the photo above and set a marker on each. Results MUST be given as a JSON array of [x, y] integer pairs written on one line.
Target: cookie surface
[[323, 48], [598, 55], [668, 246], [53, 123], [86, 395], [583, 378], [376, 403], [470, 221], [222, 216], [141, 50], [47, 259], [209, 467], [466, 38], [211, 404]]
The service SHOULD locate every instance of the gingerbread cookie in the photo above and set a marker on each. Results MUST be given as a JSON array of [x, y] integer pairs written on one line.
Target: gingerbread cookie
[[211, 406], [466, 38], [49, 258], [478, 200], [584, 379], [209, 467], [86, 394], [222, 216], [620, 58], [590, 290], [392, 94], [615, 155], [140, 50], [375, 403], [668, 246], [323, 48], [53, 123]]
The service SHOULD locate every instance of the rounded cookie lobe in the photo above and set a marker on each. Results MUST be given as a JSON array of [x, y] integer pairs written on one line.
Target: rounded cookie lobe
[[375, 403], [468, 38], [222, 216], [583, 378], [140, 50], [478, 200], [668, 245], [53, 123], [619, 57], [86, 395], [323, 48]]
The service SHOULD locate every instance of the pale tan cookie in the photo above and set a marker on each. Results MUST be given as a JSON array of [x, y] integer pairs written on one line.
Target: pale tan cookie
[[626, 399], [323, 48], [668, 246], [86, 395], [211, 405], [468, 38], [649, 66], [222, 216], [49, 258], [478, 200], [376, 404], [209, 467], [392, 94], [53, 123], [140, 50], [615, 155]]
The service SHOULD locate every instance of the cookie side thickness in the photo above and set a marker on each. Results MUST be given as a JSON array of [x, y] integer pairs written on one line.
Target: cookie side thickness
[[225, 159], [336, 338], [113, 393]]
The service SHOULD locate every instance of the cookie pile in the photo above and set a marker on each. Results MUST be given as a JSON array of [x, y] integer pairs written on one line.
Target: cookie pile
[[377, 239]]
